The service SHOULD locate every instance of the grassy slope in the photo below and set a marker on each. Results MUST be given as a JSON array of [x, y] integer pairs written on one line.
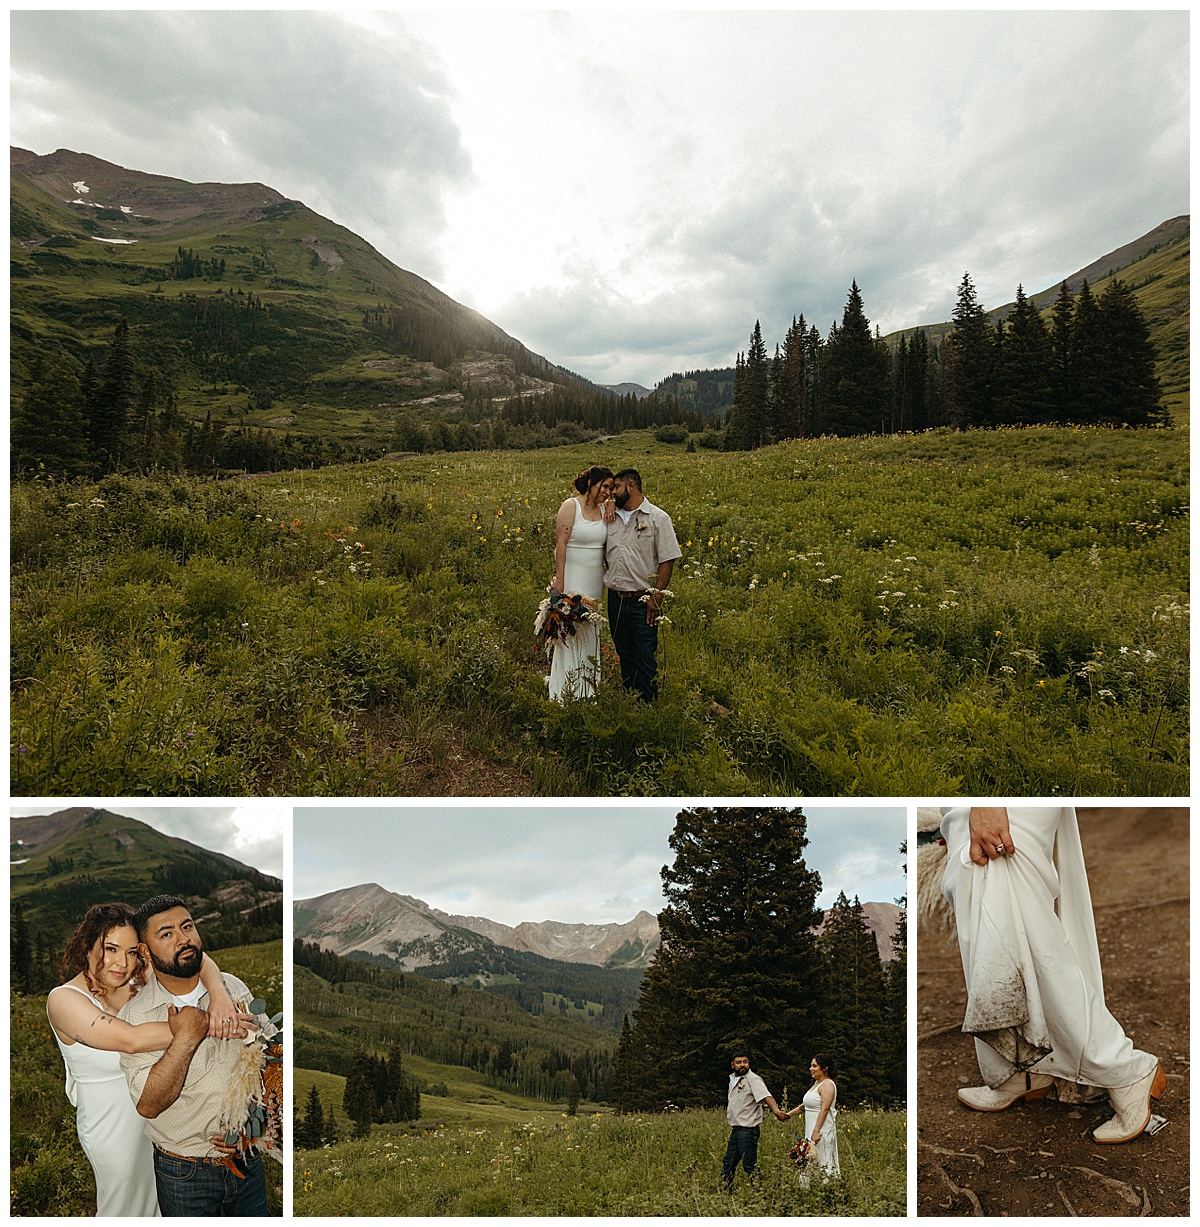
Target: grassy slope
[[307, 677], [1161, 282], [51, 901], [73, 291], [470, 1101], [599, 1165]]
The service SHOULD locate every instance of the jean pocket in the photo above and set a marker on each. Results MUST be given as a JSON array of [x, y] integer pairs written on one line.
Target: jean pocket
[[167, 1167]]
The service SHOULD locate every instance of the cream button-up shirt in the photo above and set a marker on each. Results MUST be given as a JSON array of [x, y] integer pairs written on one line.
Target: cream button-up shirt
[[747, 1093], [185, 1127], [636, 546]]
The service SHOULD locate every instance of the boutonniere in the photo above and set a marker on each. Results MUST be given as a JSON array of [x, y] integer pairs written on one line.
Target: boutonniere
[[641, 526]]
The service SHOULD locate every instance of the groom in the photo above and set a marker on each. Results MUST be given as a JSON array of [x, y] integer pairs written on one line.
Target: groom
[[747, 1095], [182, 1092], [641, 550]]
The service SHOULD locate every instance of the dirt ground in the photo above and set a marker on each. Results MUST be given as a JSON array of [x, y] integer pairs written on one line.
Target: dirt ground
[[1039, 1159]]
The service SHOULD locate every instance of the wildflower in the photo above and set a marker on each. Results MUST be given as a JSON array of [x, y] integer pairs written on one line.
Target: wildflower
[[22, 750]]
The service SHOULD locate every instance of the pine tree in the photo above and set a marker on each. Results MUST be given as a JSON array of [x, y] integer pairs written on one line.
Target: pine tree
[[1024, 376], [855, 375], [854, 1001], [748, 416], [573, 1096], [113, 399], [737, 963], [1062, 382], [789, 405], [896, 983], [20, 953], [358, 1098], [310, 1132], [331, 1127], [917, 414], [1089, 365], [1134, 395], [50, 428], [624, 1078], [973, 344]]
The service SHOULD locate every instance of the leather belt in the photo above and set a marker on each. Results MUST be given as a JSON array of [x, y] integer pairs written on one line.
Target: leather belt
[[217, 1159], [629, 596]]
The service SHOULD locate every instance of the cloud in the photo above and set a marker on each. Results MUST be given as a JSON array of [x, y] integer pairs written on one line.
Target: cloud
[[354, 121], [252, 834], [580, 863], [627, 193]]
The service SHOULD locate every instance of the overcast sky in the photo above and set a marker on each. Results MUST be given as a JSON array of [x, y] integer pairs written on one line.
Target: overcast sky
[[251, 833], [579, 863], [627, 192]]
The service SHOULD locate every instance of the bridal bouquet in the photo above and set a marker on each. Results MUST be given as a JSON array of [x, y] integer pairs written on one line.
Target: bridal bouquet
[[559, 616], [252, 1110], [800, 1153]]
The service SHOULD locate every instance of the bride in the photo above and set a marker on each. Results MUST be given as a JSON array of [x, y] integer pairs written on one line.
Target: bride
[[819, 1106], [103, 953], [579, 536]]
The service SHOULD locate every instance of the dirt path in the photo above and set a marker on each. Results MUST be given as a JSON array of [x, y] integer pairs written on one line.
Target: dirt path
[[1039, 1159]]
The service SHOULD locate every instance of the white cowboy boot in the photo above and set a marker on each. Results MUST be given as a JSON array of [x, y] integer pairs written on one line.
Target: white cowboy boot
[[1020, 1086], [1132, 1107]]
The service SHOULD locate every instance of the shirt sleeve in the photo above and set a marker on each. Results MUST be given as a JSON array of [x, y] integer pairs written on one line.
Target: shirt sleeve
[[758, 1088], [136, 1067], [665, 542]]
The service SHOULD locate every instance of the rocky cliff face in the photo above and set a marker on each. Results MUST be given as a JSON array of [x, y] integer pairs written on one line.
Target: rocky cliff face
[[372, 920], [376, 921]]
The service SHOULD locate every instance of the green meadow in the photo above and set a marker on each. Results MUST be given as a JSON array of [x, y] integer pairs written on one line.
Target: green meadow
[[982, 613], [466, 1157]]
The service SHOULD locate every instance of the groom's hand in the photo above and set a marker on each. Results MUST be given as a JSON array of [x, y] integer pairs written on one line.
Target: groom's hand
[[188, 1022]]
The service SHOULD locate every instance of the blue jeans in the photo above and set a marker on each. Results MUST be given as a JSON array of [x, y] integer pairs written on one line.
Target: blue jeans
[[636, 643], [191, 1188], [743, 1145]]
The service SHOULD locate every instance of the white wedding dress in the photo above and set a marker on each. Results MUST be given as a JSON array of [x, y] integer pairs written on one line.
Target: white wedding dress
[[575, 663], [825, 1155], [1035, 995], [110, 1129]]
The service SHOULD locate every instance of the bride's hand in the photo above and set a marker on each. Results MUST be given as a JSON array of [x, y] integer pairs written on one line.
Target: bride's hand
[[990, 836], [223, 1019]]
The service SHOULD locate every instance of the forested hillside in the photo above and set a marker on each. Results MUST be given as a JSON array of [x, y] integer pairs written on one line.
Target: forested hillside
[[481, 1030], [1108, 346], [207, 327]]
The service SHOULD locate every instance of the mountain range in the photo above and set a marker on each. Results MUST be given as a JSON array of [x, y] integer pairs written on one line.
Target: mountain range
[[414, 936], [257, 312], [253, 309], [61, 863]]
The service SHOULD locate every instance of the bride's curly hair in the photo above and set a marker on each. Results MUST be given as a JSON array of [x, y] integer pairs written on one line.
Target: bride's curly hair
[[827, 1063], [98, 922], [591, 477]]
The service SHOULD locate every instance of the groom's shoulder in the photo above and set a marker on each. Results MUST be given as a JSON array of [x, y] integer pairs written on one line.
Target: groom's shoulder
[[148, 1004], [237, 988]]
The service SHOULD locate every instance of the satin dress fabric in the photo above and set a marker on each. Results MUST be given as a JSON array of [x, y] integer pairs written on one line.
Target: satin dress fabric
[[575, 663], [110, 1129], [826, 1154], [1027, 935]]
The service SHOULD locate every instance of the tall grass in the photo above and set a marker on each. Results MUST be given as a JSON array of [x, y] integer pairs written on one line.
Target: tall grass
[[599, 1165], [1000, 612]]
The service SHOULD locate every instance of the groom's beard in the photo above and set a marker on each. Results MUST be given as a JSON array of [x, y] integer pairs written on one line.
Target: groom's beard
[[621, 499], [185, 964]]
